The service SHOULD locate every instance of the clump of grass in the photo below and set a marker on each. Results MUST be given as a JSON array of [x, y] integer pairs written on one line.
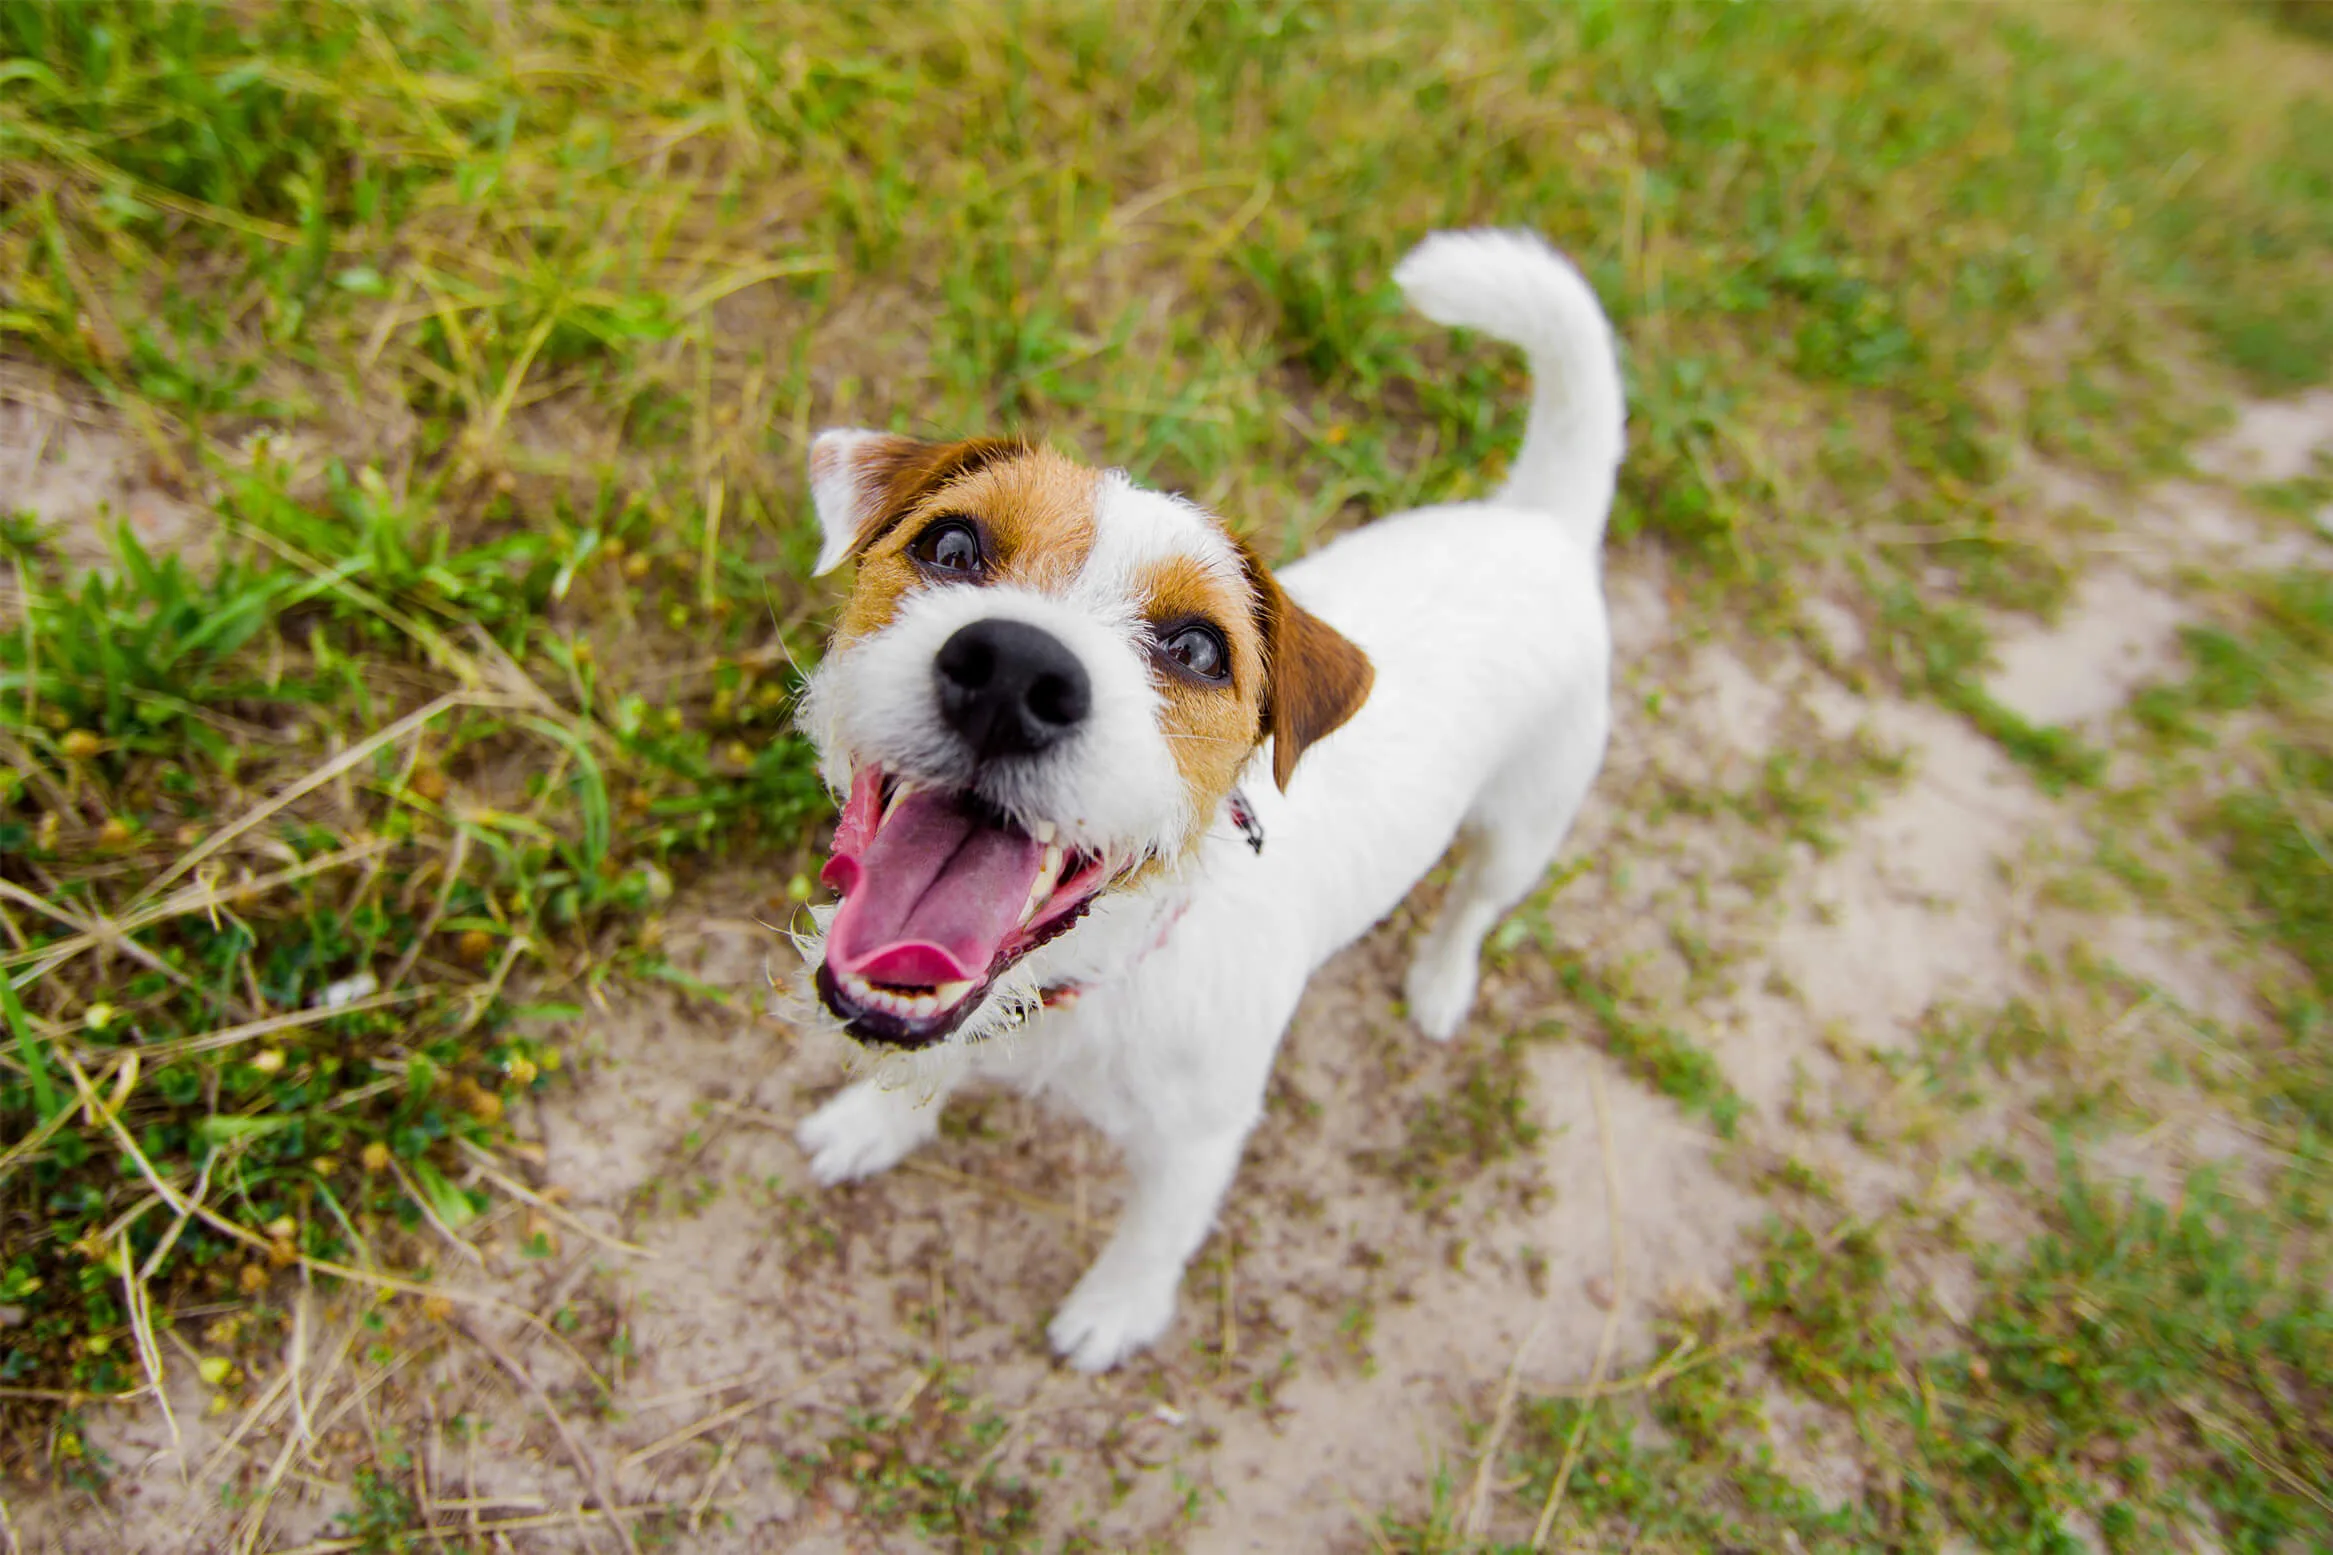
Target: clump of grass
[[927, 1468], [1806, 791], [384, 1516], [1665, 1059], [1961, 1055], [277, 853], [2276, 845], [2270, 659], [1459, 1132], [1941, 650]]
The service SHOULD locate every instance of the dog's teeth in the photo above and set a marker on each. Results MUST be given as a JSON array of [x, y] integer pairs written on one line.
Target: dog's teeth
[[1042, 831], [1041, 888], [899, 791], [948, 995]]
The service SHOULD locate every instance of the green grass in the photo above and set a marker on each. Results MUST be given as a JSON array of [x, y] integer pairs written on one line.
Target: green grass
[[1664, 1058], [927, 1468], [1477, 1121], [2269, 660], [534, 307], [2146, 1371]]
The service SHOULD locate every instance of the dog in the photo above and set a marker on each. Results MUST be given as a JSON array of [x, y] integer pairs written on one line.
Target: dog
[[1111, 789]]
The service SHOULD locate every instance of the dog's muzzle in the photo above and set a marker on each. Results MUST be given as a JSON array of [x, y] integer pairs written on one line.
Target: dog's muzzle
[[1010, 689]]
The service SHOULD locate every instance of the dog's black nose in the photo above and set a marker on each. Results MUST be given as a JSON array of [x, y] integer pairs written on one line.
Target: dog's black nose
[[1011, 689]]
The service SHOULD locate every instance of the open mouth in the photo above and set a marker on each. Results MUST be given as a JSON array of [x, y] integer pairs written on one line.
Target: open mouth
[[940, 896]]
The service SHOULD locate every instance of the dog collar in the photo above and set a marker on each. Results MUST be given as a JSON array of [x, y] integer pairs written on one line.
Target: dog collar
[[1243, 816]]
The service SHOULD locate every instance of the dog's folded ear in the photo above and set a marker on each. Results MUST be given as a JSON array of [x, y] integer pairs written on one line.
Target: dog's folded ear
[[862, 483], [1314, 679]]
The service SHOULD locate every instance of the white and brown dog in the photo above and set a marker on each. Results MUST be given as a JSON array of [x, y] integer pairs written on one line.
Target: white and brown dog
[[1114, 790]]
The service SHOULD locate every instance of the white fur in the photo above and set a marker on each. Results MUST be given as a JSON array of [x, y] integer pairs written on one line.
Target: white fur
[[1135, 530], [1486, 726], [837, 495]]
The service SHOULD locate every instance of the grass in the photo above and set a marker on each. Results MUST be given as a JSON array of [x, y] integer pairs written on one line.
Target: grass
[[486, 344], [1664, 1058], [2147, 1371], [925, 1467], [1478, 1121]]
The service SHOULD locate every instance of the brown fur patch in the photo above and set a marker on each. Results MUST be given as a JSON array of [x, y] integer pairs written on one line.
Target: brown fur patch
[[1034, 509], [1212, 730], [902, 471], [1315, 679]]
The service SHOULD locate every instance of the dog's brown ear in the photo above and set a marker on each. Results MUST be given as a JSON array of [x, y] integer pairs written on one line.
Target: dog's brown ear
[[1313, 678], [861, 483]]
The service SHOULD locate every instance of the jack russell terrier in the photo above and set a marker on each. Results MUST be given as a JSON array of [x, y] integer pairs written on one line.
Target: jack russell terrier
[[1113, 789]]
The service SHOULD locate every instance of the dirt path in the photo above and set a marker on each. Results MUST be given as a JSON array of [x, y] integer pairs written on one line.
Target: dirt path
[[1414, 1225]]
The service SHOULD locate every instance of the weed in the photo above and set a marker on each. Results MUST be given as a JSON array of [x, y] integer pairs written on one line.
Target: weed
[[1664, 1058], [1459, 1132], [927, 1469], [384, 1516]]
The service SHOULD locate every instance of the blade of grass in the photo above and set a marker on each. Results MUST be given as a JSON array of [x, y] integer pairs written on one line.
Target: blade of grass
[[29, 1045]]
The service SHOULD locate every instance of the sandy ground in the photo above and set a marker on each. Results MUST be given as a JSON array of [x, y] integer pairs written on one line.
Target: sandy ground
[[1341, 1332]]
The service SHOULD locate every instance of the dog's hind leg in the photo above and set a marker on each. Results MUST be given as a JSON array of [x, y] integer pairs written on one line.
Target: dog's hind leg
[[1510, 837]]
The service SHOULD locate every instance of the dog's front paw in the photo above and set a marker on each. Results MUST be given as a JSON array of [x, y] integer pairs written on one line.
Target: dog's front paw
[[863, 1131], [1439, 991], [1110, 1316]]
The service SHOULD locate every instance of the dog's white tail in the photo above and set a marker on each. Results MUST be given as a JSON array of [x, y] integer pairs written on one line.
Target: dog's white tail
[[1513, 286]]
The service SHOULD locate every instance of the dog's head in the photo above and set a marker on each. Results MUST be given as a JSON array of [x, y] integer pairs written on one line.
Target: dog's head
[[1043, 687]]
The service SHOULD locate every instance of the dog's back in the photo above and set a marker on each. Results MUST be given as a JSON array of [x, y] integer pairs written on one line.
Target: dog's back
[[1485, 622]]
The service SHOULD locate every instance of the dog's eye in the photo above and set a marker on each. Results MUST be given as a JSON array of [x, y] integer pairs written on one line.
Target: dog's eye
[[951, 545], [1198, 648]]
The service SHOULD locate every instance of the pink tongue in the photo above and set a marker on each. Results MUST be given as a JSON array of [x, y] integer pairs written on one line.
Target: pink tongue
[[932, 897]]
